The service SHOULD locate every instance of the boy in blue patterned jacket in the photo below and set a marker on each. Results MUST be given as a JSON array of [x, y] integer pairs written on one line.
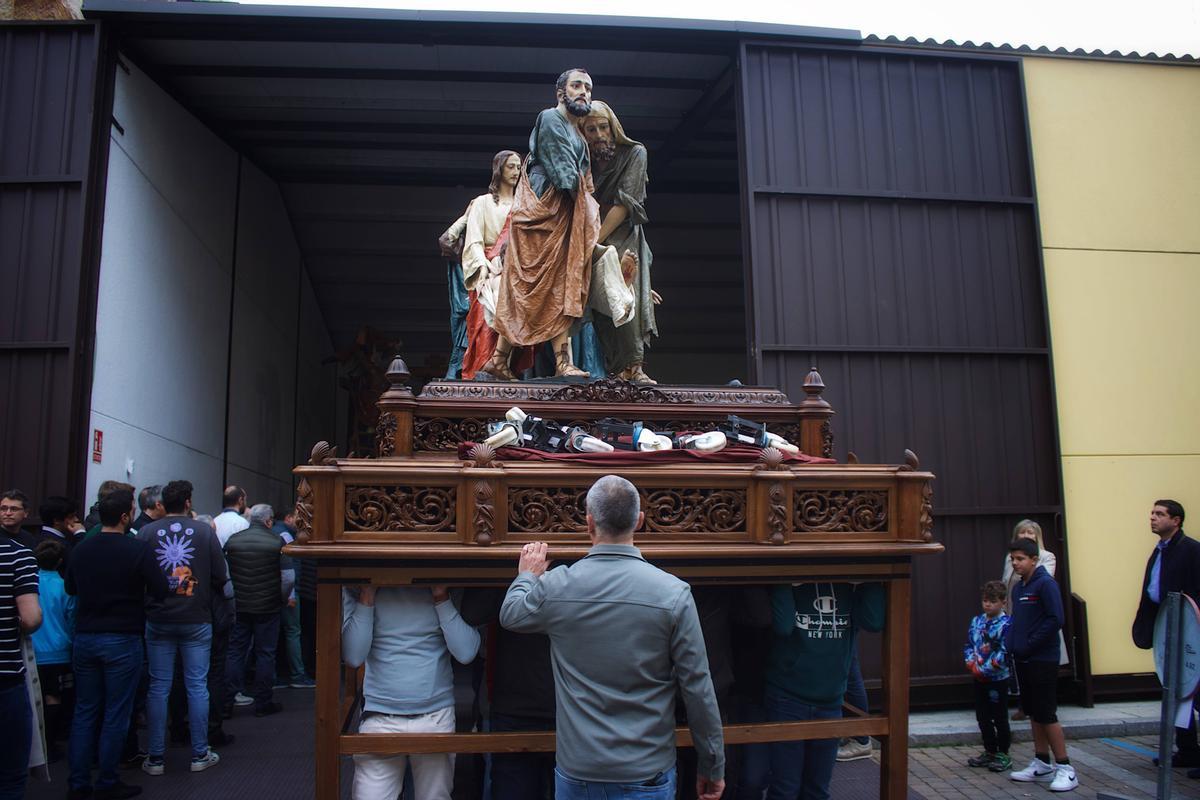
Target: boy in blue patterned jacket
[[987, 660]]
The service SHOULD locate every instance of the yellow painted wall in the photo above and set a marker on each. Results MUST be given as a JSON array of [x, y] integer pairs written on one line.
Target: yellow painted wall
[[1116, 151]]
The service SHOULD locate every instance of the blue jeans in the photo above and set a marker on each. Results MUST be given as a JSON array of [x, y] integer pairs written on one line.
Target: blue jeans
[[18, 738], [289, 620], [800, 769], [754, 773], [660, 787], [193, 643], [263, 630], [107, 667]]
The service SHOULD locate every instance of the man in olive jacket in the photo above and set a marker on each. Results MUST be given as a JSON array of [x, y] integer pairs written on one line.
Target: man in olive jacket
[[259, 590]]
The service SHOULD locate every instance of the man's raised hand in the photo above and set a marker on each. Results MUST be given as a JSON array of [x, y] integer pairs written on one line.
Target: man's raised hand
[[533, 559]]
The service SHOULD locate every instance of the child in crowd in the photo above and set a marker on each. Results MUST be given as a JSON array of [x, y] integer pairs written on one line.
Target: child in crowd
[[987, 659], [1033, 640], [52, 642]]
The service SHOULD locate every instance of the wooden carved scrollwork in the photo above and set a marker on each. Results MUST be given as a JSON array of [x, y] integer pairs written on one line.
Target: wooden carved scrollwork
[[826, 439], [694, 510], [385, 435], [323, 455], [539, 510], [926, 518], [400, 508], [611, 390], [485, 511], [304, 511], [843, 511], [777, 513], [442, 433]]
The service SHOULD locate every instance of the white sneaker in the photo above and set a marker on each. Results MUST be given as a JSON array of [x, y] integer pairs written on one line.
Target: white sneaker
[[1064, 778], [1038, 771], [240, 699], [853, 750], [201, 763]]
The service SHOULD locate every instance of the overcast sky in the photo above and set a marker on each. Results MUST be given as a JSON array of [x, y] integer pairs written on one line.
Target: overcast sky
[[1161, 26]]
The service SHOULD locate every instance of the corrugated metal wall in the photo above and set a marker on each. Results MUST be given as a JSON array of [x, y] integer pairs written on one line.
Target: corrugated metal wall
[[48, 89], [893, 244]]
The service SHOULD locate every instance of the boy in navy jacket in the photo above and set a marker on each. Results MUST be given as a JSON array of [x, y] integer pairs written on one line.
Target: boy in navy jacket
[[1032, 638]]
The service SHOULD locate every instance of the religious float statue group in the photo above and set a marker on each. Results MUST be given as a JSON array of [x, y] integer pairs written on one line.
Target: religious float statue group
[[555, 252], [738, 484]]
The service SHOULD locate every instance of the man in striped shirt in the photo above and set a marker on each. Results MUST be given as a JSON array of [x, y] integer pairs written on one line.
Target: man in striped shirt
[[20, 614]]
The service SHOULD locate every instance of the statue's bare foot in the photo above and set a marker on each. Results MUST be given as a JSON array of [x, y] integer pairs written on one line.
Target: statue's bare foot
[[629, 267]]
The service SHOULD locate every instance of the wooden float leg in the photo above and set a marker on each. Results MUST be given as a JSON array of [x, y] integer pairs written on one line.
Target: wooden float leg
[[893, 772], [329, 727]]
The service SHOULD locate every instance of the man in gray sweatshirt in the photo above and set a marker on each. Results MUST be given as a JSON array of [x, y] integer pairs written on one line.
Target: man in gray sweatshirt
[[623, 636], [405, 636]]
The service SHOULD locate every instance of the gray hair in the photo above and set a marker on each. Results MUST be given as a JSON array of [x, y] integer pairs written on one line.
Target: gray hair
[[261, 514], [614, 504], [206, 519], [1033, 526], [149, 497]]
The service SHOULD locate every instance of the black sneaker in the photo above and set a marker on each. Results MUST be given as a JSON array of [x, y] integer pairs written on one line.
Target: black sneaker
[[219, 738], [118, 791], [982, 760], [268, 710], [1183, 758]]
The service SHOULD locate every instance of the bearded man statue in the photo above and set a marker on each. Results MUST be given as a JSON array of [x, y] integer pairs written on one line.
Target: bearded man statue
[[619, 175], [554, 232]]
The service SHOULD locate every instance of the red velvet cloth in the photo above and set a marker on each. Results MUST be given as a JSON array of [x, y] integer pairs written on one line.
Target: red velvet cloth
[[733, 454]]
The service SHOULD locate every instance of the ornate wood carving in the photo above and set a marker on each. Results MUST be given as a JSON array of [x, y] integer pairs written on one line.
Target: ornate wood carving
[[400, 508], [442, 433], [544, 509], [777, 513], [485, 511], [826, 439], [770, 458], [616, 392], [611, 390], [538, 510], [323, 455], [694, 510], [482, 455], [385, 435], [845, 511], [926, 518], [304, 511]]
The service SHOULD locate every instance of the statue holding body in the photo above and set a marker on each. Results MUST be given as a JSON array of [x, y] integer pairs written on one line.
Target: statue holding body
[[547, 274], [619, 175]]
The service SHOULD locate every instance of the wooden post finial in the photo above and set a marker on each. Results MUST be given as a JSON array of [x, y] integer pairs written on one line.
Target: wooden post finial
[[397, 372]]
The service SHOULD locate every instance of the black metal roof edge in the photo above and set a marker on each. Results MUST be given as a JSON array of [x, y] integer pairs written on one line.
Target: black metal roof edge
[[1026, 50], [235, 12]]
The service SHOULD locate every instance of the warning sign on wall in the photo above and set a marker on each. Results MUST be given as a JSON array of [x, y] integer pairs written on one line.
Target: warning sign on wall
[[98, 446]]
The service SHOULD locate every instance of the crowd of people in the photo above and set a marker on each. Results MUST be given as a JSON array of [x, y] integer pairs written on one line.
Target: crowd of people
[[143, 613]]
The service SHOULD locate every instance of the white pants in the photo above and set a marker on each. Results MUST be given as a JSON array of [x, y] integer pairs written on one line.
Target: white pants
[[382, 777]]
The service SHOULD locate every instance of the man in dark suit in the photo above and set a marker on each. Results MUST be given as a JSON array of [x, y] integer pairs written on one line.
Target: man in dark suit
[[1174, 566]]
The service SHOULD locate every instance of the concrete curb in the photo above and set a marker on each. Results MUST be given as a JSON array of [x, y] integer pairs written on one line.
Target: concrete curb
[[1090, 729]]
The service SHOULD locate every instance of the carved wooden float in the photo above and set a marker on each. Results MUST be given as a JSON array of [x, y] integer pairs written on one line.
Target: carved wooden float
[[418, 513]]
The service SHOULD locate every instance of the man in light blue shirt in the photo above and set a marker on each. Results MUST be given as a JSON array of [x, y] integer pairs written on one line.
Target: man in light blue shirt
[[405, 636]]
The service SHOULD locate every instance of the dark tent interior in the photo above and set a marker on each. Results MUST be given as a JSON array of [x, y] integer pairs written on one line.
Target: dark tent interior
[[380, 127]]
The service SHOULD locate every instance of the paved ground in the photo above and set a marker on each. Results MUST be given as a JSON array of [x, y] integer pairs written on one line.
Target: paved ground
[[1119, 766], [272, 758]]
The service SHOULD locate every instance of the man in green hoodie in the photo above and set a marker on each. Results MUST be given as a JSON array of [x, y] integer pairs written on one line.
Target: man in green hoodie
[[815, 625]]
